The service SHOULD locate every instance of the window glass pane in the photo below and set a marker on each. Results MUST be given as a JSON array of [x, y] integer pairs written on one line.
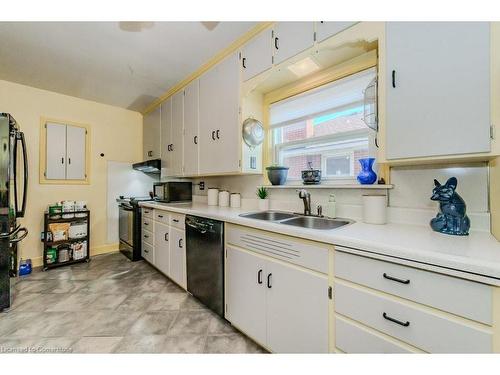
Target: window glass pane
[[338, 165]]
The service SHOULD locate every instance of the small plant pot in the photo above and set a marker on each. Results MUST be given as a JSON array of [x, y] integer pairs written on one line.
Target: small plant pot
[[264, 204]]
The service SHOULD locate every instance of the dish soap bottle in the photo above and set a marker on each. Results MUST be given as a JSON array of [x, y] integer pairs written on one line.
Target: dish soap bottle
[[331, 207]]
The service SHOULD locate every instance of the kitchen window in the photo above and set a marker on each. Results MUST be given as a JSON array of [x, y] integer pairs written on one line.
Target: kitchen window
[[323, 129]]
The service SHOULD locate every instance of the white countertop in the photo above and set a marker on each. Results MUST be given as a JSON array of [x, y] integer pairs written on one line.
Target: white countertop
[[477, 254]]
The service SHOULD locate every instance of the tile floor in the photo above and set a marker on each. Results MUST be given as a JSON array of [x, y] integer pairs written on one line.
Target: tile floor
[[112, 305]]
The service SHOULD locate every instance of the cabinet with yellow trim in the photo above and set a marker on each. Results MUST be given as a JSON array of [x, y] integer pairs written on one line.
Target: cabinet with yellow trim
[[381, 307]]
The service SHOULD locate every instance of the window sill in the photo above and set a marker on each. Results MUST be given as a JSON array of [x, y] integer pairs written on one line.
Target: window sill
[[331, 186]]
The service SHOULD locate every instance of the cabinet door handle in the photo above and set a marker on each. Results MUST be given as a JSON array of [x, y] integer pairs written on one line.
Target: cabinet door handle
[[276, 43], [269, 280], [213, 135], [259, 277], [180, 243], [243, 61], [386, 276], [217, 133], [172, 147], [387, 317], [150, 153], [195, 139], [62, 160], [69, 160], [166, 237], [394, 79]]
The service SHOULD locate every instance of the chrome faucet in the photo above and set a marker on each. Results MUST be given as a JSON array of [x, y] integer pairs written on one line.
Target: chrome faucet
[[306, 197]]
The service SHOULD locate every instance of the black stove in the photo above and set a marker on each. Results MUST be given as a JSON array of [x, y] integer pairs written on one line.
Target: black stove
[[130, 223]]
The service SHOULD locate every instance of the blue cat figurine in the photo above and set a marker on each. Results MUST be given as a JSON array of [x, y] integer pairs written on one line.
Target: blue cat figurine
[[451, 218]]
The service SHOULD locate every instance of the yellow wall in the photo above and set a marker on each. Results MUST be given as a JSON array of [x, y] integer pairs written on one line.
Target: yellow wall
[[116, 132]]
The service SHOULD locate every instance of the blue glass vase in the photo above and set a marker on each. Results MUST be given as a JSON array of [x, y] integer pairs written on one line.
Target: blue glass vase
[[367, 176]]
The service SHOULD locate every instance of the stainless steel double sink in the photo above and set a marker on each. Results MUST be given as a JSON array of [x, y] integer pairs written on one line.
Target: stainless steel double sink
[[287, 218]]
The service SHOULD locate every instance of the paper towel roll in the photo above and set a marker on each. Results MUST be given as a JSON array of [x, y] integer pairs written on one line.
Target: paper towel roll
[[213, 196], [374, 209]]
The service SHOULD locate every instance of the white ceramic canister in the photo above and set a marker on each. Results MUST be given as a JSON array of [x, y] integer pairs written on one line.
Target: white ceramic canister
[[235, 200], [374, 209], [223, 198], [213, 196]]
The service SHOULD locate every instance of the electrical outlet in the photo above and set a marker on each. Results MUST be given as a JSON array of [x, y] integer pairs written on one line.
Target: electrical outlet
[[202, 185]]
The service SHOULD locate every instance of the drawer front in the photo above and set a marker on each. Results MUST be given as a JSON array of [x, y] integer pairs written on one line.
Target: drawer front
[[147, 224], [473, 301], [423, 329], [177, 220], [147, 237], [147, 252], [351, 338], [161, 216], [147, 212], [288, 249]]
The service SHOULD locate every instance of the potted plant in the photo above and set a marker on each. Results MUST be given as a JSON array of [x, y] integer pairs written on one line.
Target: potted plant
[[263, 194], [277, 174]]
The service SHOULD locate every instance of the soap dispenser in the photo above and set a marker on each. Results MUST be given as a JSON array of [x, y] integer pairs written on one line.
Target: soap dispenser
[[331, 207]]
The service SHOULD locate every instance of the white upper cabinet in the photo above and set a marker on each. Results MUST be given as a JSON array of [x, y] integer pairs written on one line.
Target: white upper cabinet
[[257, 55], [56, 152], [291, 38], [166, 135], [75, 152], [191, 136], [220, 129], [66, 147], [325, 30], [438, 88], [177, 134], [151, 134]]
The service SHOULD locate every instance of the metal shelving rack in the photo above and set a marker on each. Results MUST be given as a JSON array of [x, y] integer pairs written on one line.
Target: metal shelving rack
[[48, 244]]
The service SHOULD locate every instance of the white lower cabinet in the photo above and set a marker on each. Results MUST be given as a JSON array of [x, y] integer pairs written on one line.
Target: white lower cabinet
[[281, 306], [162, 248], [246, 292], [178, 256]]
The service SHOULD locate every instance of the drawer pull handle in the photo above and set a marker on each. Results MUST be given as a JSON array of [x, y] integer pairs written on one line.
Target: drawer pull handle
[[386, 276], [146, 223], [259, 277], [166, 237], [404, 324], [160, 216], [175, 220], [146, 236], [146, 251]]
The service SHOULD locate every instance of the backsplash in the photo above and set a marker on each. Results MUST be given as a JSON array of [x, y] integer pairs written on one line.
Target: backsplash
[[408, 201]]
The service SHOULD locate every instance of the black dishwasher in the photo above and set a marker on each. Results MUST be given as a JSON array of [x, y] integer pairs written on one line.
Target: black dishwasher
[[205, 261]]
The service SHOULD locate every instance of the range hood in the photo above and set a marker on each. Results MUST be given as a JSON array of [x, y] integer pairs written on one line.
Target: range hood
[[150, 166]]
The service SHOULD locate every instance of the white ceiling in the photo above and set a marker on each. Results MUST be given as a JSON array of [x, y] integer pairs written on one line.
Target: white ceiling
[[99, 61]]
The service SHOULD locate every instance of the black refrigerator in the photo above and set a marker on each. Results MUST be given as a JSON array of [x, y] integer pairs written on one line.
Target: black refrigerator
[[13, 189]]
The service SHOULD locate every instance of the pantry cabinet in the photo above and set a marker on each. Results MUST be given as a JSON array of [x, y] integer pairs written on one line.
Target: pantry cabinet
[[66, 152], [438, 88], [325, 30], [151, 133], [257, 55], [280, 305], [191, 128], [291, 38], [220, 129]]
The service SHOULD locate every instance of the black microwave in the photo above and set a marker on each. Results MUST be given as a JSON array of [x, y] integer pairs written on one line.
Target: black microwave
[[173, 191]]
